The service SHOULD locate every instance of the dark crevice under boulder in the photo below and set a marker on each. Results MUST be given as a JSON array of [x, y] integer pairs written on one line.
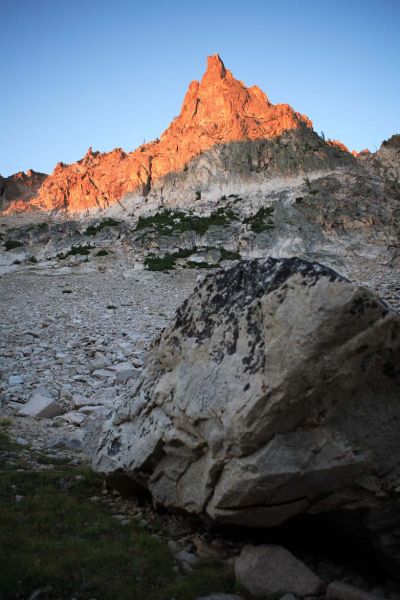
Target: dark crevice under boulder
[[274, 393]]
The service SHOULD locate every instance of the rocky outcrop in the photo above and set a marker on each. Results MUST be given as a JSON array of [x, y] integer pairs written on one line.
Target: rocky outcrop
[[275, 392], [386, 161], [18, 189], [217, 110]]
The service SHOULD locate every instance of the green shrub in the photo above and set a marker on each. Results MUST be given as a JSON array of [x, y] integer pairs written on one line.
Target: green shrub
[[11, 244], [166, 262], [261, 220], [94, 229], [75, 250], [229, 254], [167, 222], [102, 252]]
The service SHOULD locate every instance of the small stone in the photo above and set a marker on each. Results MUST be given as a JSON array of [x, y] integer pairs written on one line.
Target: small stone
[[21, 442], [187, 557], [75, 418], [220, 597], [65, 442], [123, 376], [78, 401], [103, 374], [41, 405], [35, 333], [15, 380], [337, 590], [269, 569]]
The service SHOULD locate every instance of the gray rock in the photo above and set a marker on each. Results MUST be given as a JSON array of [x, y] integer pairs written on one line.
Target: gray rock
[[78, 401], [15, 380], [21, 441], [63, 441], [95, 410], [121, 366], [75, 418], [41, 405], [99, 362], [124, 375], [187, 557], [268, 569], [274, 390], [220, 597], [337, 590], [103, 374]]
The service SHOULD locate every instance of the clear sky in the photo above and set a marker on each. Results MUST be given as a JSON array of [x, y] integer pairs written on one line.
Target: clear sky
[[104, 73]]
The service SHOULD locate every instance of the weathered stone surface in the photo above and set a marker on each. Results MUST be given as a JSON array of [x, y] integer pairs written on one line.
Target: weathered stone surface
[[41, 404], [273, 393], [337, 590], [220, 597], [269, 569]]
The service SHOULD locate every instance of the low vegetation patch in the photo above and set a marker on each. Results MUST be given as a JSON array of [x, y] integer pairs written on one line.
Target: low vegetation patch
[[262, 220], [102, 252], [76, 250], [168, 222], [94, 229], [168, 261], [55, 542], [38, 227], [11, 244]]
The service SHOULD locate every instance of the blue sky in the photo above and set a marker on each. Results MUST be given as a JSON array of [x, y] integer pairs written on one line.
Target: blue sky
[[98, 73]]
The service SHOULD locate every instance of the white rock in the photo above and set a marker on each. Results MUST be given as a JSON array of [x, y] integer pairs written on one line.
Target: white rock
[[42, 405], [95, 410], [78, 401], [123, 376], [15, 380], [75, 418], [277, 381], [103, 374], [267, 569], [121, 366]]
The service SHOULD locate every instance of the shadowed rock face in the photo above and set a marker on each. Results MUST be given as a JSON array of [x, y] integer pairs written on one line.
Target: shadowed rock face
[[386, 161], [275, 392], [18, 189]]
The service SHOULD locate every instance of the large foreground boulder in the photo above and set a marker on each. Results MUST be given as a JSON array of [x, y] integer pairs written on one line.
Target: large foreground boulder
[[275, 392]]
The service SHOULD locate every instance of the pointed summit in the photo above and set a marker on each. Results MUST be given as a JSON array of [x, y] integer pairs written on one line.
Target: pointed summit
[[215, 69]]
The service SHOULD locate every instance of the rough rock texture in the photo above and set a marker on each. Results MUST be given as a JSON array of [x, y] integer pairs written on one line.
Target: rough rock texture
[[386, 161], [268, 569], [18, 189], [337, 590], [41, 405], [218, 109], [275, 392]]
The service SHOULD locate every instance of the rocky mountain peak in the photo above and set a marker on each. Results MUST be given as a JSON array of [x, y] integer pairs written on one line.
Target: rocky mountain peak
[[218, 109], [215, 69]]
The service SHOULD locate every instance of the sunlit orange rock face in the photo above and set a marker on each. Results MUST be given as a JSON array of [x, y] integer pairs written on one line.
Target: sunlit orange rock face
[[218, 109], [338, 144]]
